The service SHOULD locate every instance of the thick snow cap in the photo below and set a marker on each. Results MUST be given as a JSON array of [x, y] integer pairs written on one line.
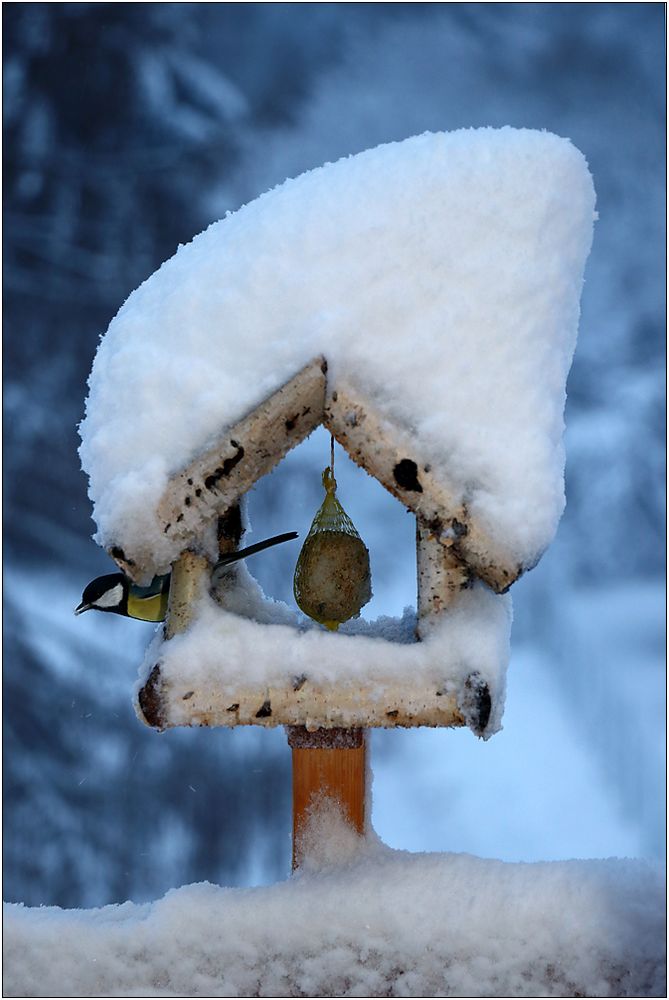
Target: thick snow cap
[[440, 275]]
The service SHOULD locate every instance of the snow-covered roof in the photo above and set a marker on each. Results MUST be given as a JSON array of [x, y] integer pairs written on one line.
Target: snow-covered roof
[[440, 277]]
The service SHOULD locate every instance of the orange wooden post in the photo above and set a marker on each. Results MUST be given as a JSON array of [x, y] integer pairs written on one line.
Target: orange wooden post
[[327, 763]]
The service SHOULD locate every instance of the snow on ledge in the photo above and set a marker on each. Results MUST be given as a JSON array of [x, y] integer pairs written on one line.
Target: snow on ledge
[[367, 922], [275, 668], [439, 276]]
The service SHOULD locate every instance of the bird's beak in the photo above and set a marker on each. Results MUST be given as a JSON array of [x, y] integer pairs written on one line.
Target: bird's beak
[[82, 607]]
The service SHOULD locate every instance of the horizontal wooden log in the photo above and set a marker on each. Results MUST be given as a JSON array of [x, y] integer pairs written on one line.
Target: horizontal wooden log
[[166, 704]]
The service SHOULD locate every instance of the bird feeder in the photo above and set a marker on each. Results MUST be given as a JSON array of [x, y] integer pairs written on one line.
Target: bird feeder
[[448, 545], [439, 280], [326, 722]]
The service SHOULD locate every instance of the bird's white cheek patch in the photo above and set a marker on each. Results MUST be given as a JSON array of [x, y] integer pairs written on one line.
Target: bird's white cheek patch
[[111, 598]]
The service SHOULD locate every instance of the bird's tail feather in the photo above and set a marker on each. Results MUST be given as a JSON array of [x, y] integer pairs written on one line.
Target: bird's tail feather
[[250, 550]]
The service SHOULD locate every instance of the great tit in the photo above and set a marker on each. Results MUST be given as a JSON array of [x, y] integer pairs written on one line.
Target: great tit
[[117, 593]]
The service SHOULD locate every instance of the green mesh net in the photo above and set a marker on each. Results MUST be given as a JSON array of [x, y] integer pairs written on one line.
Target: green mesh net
[[332, 579]]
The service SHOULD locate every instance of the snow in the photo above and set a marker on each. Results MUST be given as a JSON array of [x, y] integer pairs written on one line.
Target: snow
[[440, 276], [222, 650], [359, 919]]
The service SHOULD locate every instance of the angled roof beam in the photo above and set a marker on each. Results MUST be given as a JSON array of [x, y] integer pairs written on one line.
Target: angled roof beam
[[251, 448], [387, 452]]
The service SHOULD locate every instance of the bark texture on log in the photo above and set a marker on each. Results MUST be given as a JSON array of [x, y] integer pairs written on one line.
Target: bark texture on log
[[250, 449], [190, 576], [451, 549], [217, 479], [440, 575], [302, 703]]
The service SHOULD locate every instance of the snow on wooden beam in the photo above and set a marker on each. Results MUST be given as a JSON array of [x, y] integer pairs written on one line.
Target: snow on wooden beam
[[165, 703], [248, 450], [210, 488], [442, 574], [387, 452]]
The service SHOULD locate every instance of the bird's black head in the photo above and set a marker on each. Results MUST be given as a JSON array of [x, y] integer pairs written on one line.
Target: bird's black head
[[105, 593]]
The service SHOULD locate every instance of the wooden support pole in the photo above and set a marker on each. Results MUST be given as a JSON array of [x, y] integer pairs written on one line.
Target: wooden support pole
[[327, 763], [190, 574], [441, 577], [229, 530]]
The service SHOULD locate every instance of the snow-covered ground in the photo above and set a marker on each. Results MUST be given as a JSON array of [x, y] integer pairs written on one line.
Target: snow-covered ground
[[361, 920]]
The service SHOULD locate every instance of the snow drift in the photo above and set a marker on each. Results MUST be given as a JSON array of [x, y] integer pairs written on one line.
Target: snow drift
[[361, 922]]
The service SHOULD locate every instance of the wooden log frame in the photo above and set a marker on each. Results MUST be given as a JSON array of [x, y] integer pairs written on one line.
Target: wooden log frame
[[301, 702], [452, 550], [217, 479]]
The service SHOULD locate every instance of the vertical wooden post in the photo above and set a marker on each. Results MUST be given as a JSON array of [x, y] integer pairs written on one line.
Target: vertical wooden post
[[441, 576], [327, 763], [229, 530], [191, 570], [188, 575]]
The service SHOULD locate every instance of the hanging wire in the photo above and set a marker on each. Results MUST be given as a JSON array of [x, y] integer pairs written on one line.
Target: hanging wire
[[329, 481]]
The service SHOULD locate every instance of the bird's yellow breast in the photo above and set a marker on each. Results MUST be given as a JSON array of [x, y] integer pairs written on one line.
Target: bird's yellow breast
[[148, 609]]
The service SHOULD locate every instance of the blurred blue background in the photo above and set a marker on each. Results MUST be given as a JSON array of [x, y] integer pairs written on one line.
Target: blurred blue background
[[128, 128]]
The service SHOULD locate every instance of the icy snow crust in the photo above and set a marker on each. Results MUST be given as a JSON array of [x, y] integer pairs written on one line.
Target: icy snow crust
[[440, 276], [382, 923]]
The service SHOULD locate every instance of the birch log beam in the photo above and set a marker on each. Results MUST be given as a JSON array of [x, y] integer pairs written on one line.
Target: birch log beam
[[190, 574], [249, 450], [217, 479], [441, 578], [300, 703], [440, 575], [387, 452]]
